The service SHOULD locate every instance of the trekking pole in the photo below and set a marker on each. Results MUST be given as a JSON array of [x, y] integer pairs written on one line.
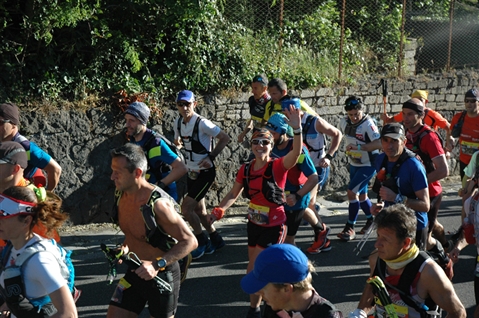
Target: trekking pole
[[384, 84], [383, 295], [133, 261], [364, 239]]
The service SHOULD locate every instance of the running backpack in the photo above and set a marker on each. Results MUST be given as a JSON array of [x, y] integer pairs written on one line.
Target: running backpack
[[425, 158], [196, 145], [457, 129], [14, 290], [149, 144], [390, 181], [155, 235], [270, 189], [405, 281]]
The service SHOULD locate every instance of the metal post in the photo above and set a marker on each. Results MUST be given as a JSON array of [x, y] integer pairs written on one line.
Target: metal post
[[341, 43], [281, 32], [401, 45], [449, 48]]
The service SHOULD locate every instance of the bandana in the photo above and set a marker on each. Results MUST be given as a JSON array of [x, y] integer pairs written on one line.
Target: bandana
[[404, 259]]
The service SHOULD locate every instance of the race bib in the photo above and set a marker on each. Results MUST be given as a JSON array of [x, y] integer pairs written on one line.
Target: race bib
[[469, 148], [258, 214]]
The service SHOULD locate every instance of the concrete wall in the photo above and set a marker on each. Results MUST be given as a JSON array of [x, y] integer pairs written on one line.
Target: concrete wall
[[81, 141]]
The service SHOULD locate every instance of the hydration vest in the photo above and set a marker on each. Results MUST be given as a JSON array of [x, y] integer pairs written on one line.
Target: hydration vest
[[270, 189], [311, 121], [155, 235], [14, 290], [391, 180], [404, 285], [30, 169], [196, 145], [425, 158]]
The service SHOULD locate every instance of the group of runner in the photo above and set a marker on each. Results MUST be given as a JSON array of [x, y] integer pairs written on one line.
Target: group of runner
[[289, 164]]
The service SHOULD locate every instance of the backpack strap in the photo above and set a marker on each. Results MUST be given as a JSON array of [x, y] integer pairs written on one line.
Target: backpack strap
[[405, 281], [155, 235], [246, 174], [306, 126]]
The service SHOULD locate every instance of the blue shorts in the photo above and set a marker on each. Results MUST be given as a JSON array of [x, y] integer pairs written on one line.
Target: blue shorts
[[359, 178], [323, 175]]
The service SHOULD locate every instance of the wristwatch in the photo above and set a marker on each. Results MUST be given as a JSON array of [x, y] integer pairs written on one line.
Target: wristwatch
[[298, 197], [161, 263]]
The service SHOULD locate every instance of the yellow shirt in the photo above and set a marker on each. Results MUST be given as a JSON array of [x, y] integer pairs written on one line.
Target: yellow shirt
[[276, 108]]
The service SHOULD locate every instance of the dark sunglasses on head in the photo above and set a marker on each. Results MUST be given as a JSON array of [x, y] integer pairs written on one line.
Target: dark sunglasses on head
[[261, 142], [352, 104], [259, 79], [470, 100]]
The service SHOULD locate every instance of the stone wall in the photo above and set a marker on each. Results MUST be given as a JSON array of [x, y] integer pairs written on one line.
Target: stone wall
[[81, 141]]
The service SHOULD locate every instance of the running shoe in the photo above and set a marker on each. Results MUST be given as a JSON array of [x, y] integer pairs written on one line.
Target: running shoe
[[215, 245], [200, 250], [184, 264], [347, 234], [326, 247], [365, 228], [321, 243]]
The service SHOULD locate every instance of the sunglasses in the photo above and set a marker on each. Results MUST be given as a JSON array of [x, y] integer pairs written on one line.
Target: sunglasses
[[352, 103], [261, 142], [4, 121], [183, 104], [470, 100], [259, 79]]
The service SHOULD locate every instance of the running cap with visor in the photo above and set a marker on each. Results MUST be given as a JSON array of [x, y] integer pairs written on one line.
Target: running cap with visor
[[13, 153], [10, 112], [10, 207], [185, 95], [278, 264], [393, 130]]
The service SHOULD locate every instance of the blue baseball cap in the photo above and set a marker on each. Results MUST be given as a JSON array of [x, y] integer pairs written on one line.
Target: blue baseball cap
[[293, 101], [139, 110], [278, 264], [186, 95], [277, 123]]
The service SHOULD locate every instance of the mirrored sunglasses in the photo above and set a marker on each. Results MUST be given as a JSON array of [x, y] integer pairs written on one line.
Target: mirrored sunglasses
[[261, 142]]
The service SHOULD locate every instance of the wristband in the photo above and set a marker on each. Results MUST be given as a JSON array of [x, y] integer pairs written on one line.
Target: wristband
[[401, 199], [297, 131], [328, 156], [162, 186], [218, 212], [359, 147], [298, 197]]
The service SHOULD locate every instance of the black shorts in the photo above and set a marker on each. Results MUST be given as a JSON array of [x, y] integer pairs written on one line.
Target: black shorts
[[198, 187], [140, 292], [293, 221], [263, 236]]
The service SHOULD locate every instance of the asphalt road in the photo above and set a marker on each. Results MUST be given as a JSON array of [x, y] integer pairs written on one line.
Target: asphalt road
[[212, 288]]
